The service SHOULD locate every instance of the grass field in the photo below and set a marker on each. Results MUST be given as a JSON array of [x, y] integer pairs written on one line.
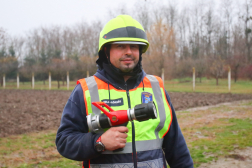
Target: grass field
[[176, 85], [209, 86], [217, 131], [210, 133], [32, 150]]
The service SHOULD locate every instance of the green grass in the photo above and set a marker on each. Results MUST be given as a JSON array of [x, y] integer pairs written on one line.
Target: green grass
[[175, 85], [209, 86], [37, 141], [217, 138], [232, 134], [217, 131], [62, 163], [31, 146], [237, 134]]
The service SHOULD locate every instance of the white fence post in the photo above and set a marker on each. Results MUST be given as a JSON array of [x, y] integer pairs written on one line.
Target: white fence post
[[50, 80], [229, 79], [33, 80], [3, 80], [193, 79], [67, 80], [163, 74], [87, 74], [18, 80]]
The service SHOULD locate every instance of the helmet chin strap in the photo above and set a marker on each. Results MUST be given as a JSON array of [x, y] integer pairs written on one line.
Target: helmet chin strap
[[135, 71]]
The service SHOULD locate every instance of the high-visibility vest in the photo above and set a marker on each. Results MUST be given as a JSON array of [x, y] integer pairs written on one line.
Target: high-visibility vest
[[148, 134]]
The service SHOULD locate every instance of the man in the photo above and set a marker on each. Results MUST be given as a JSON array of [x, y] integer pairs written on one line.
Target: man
[[121, 82]]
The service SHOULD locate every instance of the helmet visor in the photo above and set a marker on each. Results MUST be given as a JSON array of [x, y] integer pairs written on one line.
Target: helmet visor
[[129, 42]]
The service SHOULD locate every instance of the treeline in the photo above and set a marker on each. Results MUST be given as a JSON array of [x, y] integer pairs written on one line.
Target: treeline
[[209, 37]]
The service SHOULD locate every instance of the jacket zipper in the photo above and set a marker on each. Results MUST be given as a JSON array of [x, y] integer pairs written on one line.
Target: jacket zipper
[[133, 131]]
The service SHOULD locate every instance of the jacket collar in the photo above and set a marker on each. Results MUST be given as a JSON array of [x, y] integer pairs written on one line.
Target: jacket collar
[[117, 81]]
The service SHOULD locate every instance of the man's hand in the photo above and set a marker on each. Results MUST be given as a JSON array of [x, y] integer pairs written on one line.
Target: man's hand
[[114, 138]]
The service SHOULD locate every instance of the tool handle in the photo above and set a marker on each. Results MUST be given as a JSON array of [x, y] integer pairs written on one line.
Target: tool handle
[[99, 106]]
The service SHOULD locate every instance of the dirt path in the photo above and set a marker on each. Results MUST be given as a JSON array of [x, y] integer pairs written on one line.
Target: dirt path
[[236, 159]]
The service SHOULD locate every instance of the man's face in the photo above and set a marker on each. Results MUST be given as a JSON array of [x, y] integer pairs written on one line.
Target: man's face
[[124, 56]]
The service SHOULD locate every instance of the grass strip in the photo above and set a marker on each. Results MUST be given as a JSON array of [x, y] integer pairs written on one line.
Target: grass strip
[[236, 134], [176, 85], [62, 163]]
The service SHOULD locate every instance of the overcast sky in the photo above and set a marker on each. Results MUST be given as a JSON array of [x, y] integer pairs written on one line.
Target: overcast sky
[[19, 16]]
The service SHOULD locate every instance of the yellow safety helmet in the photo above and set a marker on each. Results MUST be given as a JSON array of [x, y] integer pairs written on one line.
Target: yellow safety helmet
[[124, 30]]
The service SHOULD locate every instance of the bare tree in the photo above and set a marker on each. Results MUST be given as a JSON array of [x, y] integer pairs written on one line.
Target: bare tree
[[183, 31], [200, 35], [217, 67], [184, 68], [170, 13], [246, 17], [227, 8], [8, 60], [200, 67], [238, 59], [209, 24], [142, 14], [18, 44], [2, 36], [120, 10], [249, 71], [162, 47], [58, 68]]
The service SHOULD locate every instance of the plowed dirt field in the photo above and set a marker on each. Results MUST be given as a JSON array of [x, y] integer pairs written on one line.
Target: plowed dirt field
[[23, 111]]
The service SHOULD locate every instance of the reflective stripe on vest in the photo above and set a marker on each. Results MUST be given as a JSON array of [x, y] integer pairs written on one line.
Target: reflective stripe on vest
[[160, 102], [156, 163], [93, 89], [141, 145]]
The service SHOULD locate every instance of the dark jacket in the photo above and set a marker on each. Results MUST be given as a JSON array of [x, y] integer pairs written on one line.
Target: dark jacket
[[73, 140]]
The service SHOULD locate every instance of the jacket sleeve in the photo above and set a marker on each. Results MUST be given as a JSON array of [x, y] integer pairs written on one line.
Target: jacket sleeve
[[176, 152], [73, 140]]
